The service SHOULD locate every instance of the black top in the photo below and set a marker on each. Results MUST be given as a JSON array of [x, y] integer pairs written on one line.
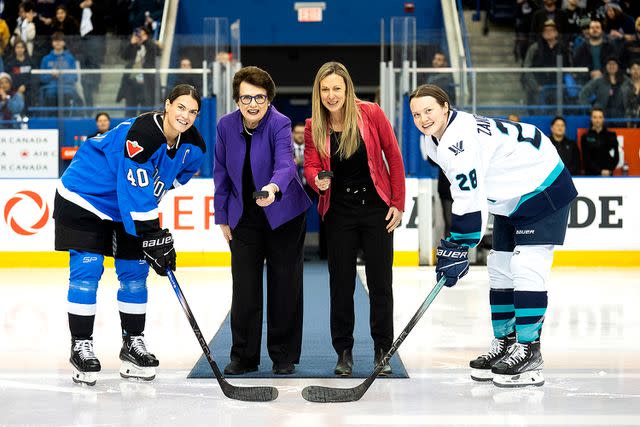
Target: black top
[[351, 171], [248, 186], [569, 153], [599, 151], [251, 212]]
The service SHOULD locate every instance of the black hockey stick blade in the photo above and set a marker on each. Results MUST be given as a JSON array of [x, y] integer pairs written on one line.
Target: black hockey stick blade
[[246, 394], [320, 394]]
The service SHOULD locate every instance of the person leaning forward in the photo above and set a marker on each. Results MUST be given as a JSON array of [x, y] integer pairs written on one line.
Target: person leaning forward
[[254, 152], [361, 205]]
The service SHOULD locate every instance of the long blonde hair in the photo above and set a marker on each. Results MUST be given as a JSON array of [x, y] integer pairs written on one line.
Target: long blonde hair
[[349, 140]]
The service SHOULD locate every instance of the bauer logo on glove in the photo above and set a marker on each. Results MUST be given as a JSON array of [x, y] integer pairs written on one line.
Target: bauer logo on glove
[[165, 240], [158, 251], [452, 262]]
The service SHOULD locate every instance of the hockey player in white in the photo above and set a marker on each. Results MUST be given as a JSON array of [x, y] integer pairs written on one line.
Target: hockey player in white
[[512, 171]]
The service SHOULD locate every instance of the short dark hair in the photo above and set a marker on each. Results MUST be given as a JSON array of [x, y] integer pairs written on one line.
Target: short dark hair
[[57, 36], [556, 118], [255, 76], [596, 109], [102, 113], [431, 90], [184, 89], [296, 124], [28, 6]]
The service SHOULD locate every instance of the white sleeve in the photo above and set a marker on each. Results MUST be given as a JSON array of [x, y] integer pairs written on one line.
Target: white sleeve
[[463, 166]]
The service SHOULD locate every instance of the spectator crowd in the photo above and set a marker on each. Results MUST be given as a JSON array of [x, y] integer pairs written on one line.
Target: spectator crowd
[[600, 35], [65, 35]]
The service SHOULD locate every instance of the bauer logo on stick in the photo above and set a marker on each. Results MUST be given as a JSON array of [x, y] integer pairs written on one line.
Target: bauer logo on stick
[[133, 148]]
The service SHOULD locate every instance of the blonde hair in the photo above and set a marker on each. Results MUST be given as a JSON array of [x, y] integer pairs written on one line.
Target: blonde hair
[[349, 140]]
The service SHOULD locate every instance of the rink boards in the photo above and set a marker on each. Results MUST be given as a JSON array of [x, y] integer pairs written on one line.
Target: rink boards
[[603, 229]]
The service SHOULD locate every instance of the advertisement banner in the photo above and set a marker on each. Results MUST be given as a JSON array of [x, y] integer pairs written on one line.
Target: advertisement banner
[[28, 153], [187, 211], [603, 217]]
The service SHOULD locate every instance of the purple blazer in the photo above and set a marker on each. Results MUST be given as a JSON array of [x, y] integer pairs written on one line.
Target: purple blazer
[[271, 161]]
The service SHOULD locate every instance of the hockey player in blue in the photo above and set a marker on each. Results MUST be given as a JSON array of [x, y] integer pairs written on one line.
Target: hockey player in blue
[[514, 172], [106, 204]]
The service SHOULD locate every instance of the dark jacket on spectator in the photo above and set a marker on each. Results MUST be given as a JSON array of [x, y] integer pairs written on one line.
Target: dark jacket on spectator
[[602, 94], [599, 151], [69, 27], [20, 71], [98, 11], [128, 83], [575, 21], [540, 54], [569, 153], [541, 16], [632, 103], [582, 57], [630, 52]]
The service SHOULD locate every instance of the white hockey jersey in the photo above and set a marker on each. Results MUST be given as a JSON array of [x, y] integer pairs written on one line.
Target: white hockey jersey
[[505, 168]]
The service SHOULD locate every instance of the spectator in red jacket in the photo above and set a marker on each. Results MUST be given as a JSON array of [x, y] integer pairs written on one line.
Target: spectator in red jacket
[[361, 204]]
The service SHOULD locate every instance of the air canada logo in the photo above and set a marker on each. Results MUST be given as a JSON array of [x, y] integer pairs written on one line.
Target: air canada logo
[[16, 214], [133, 148]]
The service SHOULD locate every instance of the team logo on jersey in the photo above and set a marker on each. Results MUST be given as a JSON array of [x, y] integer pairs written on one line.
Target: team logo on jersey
[[457, 148], [26, 212], [133, 148]]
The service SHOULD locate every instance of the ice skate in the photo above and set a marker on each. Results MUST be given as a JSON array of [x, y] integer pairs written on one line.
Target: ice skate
[[481, 367], [85, 363], [137, 362], [521, 367]]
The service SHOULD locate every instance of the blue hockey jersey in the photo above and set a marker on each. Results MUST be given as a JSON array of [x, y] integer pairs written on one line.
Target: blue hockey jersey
[[123, 174]]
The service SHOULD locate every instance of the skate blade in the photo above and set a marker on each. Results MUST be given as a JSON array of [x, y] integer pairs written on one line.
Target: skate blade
[[525, 379], [131, 370], [481, 375], [88, 378]]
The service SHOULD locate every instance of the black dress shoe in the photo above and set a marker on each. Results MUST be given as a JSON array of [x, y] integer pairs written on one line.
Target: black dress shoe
[[283, 368], [345, 364], [237, 367], [379, 355]]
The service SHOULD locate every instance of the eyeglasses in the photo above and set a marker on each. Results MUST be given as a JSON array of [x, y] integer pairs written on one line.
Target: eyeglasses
[[246, 99]]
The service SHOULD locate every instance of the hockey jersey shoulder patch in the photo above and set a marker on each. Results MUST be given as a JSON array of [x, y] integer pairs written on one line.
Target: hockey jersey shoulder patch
[[143, 139], [133, 148]]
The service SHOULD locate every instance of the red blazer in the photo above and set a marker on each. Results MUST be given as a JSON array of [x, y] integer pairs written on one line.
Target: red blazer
[[378, 137]]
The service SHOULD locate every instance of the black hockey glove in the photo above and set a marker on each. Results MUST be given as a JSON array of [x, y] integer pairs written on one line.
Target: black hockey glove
[[452, 262], [158, 251]]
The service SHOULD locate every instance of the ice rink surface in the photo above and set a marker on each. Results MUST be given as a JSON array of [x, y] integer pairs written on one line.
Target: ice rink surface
[[590, 345]]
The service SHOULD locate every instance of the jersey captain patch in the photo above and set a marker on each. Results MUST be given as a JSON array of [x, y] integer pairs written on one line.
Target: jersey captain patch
[[133, 148]]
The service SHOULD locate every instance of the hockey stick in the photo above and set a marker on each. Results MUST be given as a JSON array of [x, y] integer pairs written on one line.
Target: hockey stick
[[247, 394], [316, 393]]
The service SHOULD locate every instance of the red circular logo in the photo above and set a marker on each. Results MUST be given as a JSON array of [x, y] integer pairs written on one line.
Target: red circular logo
[[26, 196]]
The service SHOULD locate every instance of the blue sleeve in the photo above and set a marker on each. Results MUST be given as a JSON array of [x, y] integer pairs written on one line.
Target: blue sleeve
[[16, 103], [192, 166]]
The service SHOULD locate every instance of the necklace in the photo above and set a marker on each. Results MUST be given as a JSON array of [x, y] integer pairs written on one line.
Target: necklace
[[247, 130]]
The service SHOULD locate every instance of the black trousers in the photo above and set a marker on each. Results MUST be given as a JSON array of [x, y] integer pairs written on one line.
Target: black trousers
[[253, 241], [356, 219]]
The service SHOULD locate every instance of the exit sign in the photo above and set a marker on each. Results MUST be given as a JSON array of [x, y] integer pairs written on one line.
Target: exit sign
[[310, 11]]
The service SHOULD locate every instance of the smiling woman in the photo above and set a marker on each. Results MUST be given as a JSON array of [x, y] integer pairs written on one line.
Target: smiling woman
[[361, 203], [254, 151], [106, 204]]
